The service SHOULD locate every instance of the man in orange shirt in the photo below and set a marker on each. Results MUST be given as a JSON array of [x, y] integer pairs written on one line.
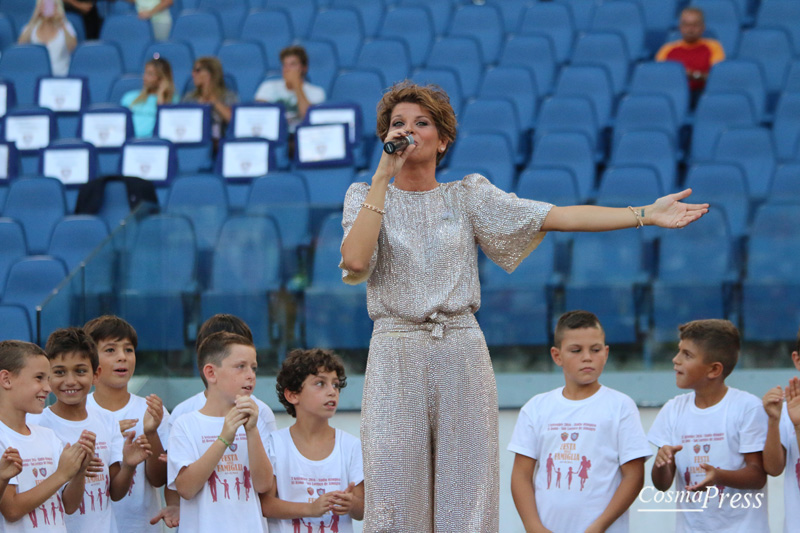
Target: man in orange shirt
[[697, 54]]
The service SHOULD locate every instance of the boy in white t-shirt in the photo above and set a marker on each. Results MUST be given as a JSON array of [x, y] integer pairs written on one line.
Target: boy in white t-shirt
[[217, 458], [783, 442], [710, 440], [141, 510], [50, 478], [74, 368], [319, 474], [587, 440]]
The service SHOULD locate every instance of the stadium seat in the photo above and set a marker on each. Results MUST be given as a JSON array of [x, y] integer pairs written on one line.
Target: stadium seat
[[645, 112], [740, 76], [783, 14], [462, 54], [363, 87], [107, 127], [516, 84], [75, 237], [335, 313], [38, 204], [716, 113], [100, 63], [607, 50], [273, 29], [512, 13], [625, 18], [324, 64], [412, 25], [19, 11], [786, 127], [483, 22], [557, 186], [723, 186], [621, 186], [15, 324], [554, 20], [231, 14], [666, 79], [659, 17], [772, 50], [246, 271], [245, 62], [8, 37], [132, 35], [301, 13], [66, 97], [648, 148], [245, 158], [495, 115], [8, 96], [486, 152], [753, 151], [122, 85], [582, 12], [535, 53], [202, 30], [571, 151], [154, 160], [30, 129], [792, 83], [591, 82], [786, 185], [722, 17], [193, 148], [772, 286], [343, 28], [447, 79], [370, 12], [12, 247], [160, 273], [568, 114], [25, 64], [9, 166], [72, 162], [180, 57], [390, 57], [441, 12]]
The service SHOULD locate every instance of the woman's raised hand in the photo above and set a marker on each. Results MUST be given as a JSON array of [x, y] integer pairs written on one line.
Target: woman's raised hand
[[390, 164], [670, 212]]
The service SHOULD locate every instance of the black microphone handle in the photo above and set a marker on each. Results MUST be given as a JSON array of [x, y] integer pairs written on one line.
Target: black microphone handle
[[395, 145]]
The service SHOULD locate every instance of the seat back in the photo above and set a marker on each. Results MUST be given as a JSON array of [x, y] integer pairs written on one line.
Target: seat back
[[38, 204], [25, 64], [752, 150], [462, 54], [202, 30], [247, 257], [344, 29], [554, 20], [163, 258], [414, 26], [273, 29], [483, 22], [204, 201], [131, 34]]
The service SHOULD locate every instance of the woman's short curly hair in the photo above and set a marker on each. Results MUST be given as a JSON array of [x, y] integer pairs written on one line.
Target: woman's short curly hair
[[432, 98], [300, 364]]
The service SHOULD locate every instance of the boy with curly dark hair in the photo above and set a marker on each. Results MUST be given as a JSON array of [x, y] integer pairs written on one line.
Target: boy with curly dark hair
[[319, 478]]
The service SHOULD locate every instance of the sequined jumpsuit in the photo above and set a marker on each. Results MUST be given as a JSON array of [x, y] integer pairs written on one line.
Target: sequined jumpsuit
[[429, 414]]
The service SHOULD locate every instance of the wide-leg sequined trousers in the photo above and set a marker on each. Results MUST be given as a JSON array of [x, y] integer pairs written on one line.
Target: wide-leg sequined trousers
[[429, 431]]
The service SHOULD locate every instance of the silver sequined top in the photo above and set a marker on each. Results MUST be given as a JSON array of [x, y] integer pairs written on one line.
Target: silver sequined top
[[426, 260]]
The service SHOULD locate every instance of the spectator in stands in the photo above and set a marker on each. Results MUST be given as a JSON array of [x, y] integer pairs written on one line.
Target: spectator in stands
[[157, 12], [87, 9], [157, 88], [49, 27], [696, 53], [209, 83], [293, 91]]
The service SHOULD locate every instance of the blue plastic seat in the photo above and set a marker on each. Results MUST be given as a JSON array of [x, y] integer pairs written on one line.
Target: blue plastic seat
[[412, 25], [335, 313], [246, 271], [202, 30], [30, 283], [487, 153], [740, 76], [203, 200], [231, 14], [624, 18], [786, 184], [591, 82], [180, 57], [9, 165], [535, 53], [273, 29], [138, 160], [72, 162], [131, 34], [301, 13], [462, 54], [724, 187], [447, 79], [24, 64], [30, 129], [645, 112], [160, 273], [610, 282], [666, 79], [195, 154], [483, 22], [786, 128], [723, 18], [441, 12], [122, 85], [772, 286], [659, 17], [621, 186], [557, 186], [524, 295], [512, 11], [100, 63], [325, 69], [373, 56], [8, 36], [245, 62], [15, 324], [370, 12], [582, 12], [516, 84], [784, 14], [75, 240], [12, 247], [554, 20], [108, 151], [363, 87], [19, 11], [572, 151], [8, 95], [568, 114], [648, 148], [494, 115], [607, 50], [343, 28], [751, 149], [771, 48], [792, 83], [716, 113], [38, 204], [687, 289]]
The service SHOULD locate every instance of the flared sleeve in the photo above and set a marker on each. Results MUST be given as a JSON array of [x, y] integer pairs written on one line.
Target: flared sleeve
[[507, 228], [355, 196]]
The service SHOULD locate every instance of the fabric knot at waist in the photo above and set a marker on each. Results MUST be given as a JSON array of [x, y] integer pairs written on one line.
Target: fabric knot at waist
[[436, 323]]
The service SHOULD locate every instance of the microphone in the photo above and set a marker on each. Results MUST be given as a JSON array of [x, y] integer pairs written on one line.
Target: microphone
[[402, 143]]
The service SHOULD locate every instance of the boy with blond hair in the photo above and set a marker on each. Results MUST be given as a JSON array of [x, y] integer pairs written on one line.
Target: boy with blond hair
[[222, 445], [783, 441], [710, 440], [583, 429]]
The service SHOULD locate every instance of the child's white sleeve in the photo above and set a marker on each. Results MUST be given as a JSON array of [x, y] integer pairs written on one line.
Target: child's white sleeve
[[753, 427], [181, 451], [631, 440], [525, 439], [660, 433]]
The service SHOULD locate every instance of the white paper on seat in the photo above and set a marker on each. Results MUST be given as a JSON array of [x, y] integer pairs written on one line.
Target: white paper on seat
[[61, 95], [261, 122], [146, 162], [3, 161], [104, 130], [28, 132], [335, 116], [245, 159], [321, 143], [71, 166], [180, 125], [3, 100]]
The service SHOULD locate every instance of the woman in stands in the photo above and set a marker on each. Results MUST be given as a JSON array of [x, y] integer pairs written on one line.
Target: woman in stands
[[49, 27], [157, 89], [209, 83], [429, 415]]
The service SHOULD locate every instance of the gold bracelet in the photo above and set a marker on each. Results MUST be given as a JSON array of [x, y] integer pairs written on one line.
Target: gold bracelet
[[639, 221], [371, 207], [226, 443]]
